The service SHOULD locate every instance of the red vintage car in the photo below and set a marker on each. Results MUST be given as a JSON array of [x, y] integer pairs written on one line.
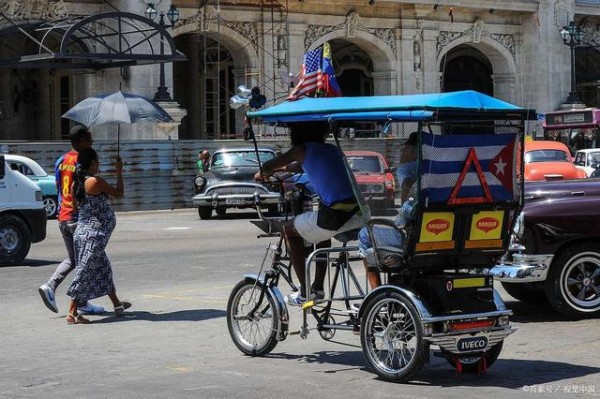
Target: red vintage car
[[549, 160], [374, 176]]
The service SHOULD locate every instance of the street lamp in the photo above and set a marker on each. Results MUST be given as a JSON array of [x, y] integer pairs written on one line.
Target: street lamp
[[162, 93], [572, 35]]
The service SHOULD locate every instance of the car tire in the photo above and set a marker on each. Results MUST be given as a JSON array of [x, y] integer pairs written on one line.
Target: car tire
[[15, 240], [221, 210], [51, 205], [573, 281], [273, 210], [205, 212], [526, 292]]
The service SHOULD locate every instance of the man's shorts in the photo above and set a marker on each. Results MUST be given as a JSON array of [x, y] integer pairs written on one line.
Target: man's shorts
[[306, 225]]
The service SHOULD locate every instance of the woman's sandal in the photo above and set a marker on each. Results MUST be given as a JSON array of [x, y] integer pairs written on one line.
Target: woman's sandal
[[119, 310], [79, 319]]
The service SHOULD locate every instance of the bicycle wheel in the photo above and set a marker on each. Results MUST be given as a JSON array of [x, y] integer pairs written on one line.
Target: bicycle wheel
[[392, 337], [253, 334]]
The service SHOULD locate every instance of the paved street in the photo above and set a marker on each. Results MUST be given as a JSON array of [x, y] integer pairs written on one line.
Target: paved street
[[178, 272]]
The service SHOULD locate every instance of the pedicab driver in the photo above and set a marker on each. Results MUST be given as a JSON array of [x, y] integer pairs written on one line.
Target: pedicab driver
[[324, 164]]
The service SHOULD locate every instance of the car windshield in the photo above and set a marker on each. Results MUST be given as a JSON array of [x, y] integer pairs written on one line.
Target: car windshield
[[33, 169], [238, 158], [365, 163], [546, 156], [593, 157]]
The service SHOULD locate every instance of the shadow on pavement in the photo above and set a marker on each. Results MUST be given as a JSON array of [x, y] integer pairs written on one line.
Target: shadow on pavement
[[34, 263], [534, 312], [180, 315], [505, 373]]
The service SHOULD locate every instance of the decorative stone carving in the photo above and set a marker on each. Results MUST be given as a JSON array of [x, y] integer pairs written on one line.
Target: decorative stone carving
[[314, 32], [561, 14], [352, 21], [207, 18], [34, 9], [477, 30], [445, 38], [417, 50], [246, 29]]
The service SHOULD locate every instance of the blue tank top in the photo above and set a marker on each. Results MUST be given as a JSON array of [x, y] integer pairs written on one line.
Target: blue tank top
[[328, 177]]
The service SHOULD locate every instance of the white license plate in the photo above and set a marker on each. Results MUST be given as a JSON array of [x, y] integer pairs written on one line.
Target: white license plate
[[234, 201]]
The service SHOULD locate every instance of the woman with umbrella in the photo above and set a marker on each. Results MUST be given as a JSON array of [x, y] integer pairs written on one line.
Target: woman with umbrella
[[93, 276]]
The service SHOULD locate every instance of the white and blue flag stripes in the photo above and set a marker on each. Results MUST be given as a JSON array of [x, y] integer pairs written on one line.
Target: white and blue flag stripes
[[445, 157]]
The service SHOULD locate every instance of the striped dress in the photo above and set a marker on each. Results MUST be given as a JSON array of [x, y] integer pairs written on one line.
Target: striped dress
[[93, 275]]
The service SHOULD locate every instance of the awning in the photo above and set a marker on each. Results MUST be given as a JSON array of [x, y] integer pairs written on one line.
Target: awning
[[426, 107], [105, 40]]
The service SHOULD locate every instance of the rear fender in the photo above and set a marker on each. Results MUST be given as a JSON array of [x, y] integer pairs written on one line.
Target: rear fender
[[418, 303]]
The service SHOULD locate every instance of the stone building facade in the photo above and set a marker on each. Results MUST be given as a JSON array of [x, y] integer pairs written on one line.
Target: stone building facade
[[510, 49]]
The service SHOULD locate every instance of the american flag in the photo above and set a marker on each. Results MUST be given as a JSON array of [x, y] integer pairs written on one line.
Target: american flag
[[310, 74]]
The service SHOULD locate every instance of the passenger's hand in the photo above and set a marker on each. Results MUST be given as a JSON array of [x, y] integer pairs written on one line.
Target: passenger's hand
[[119, 165]]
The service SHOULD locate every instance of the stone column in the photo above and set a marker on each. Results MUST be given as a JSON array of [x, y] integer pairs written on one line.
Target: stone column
[[384, 83], [504, 87], [431, 71]]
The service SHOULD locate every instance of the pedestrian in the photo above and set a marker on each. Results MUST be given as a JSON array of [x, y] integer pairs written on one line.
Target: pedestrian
[[93, 276], [203, 162], [64, 170]]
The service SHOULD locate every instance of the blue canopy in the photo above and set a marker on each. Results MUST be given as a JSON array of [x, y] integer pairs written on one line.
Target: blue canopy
[[416, 107]]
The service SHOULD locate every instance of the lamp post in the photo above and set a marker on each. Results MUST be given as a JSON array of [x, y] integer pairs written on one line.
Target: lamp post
[[572, 35], [162, 93]]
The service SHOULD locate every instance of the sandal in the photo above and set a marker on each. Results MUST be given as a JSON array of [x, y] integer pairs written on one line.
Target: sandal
[[119, 310], [77, 319]]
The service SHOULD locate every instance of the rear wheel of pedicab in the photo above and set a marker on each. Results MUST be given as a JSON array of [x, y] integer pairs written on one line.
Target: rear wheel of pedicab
[[473, 364], [392, 337], [254, 334]]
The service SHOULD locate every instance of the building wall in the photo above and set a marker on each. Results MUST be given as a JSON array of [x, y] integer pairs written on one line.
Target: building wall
[[407, 43]]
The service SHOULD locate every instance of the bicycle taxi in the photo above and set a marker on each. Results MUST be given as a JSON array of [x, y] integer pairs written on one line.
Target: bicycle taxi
[[436, 291]]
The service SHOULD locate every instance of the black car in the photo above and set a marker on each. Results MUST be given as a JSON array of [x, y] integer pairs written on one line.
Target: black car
[[229, 182], [555, 249]]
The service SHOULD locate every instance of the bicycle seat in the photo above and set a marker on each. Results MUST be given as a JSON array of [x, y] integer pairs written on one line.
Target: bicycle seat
[[346, 236]]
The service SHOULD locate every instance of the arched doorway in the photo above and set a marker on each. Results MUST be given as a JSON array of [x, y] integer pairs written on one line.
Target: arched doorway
[[467, 68], [353, 68], [204, 85], [587, 71]]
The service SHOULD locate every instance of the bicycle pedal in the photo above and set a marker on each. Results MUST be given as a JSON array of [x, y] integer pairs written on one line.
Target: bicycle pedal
[[294, 332]]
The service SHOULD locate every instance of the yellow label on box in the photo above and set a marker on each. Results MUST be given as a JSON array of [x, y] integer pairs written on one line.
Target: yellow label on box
[[469, 282], [487, 225], [483, 244], [437, 227]]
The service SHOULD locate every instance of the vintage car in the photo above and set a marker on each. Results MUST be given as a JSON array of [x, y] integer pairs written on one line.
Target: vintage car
[[229, 183], [35, 172], [555, 248], [374, 177], [588, 160], [549, 160]]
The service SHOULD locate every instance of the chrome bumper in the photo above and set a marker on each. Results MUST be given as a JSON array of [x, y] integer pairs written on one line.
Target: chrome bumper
[[450, 342], [523, 269], [234, 200]]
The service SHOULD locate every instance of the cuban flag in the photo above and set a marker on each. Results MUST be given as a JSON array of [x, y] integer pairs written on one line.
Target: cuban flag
[[470, 168]]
